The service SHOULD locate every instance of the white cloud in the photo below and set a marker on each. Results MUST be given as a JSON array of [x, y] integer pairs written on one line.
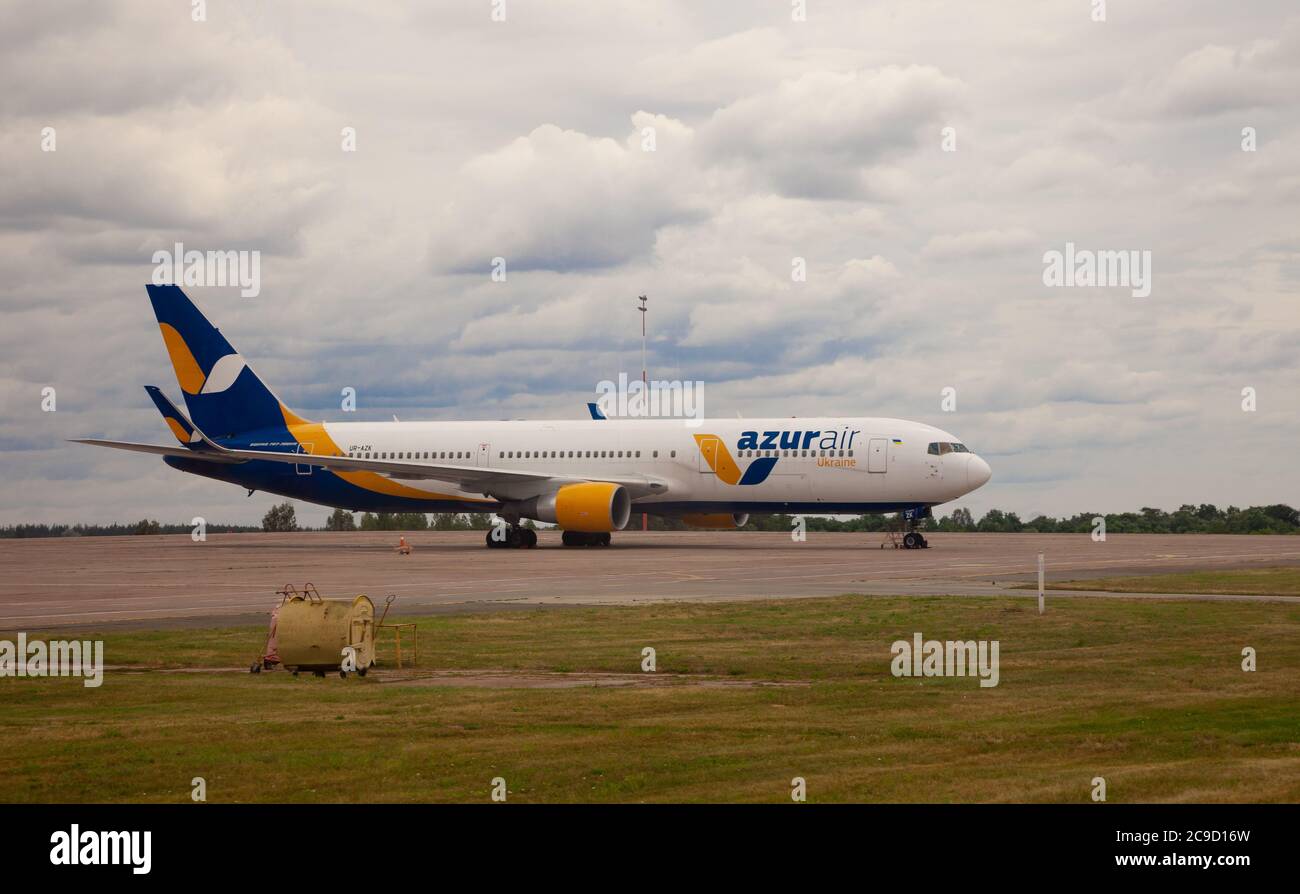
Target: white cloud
[[820, 134], [562, 200]]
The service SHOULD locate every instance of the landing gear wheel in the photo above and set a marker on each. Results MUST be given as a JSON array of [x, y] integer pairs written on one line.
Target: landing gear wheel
[[603, 539], [912, 540], [516, 538]]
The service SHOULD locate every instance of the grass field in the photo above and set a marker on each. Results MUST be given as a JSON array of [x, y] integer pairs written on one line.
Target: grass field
[[1148, 694], [1283, 581]]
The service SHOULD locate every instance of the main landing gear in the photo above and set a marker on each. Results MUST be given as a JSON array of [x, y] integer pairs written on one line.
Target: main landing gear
[[516, 538], [583, 538]]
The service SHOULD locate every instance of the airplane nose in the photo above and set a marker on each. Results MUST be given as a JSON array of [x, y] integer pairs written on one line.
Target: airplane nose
[[977, 472]]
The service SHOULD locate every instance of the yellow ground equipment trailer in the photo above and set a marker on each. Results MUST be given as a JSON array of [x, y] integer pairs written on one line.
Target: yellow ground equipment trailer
[[321, 635]]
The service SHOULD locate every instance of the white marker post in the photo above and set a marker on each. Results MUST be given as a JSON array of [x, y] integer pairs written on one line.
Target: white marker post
[[1040, 583]]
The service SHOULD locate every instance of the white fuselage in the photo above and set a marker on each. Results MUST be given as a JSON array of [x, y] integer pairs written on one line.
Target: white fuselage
[[827, 464]]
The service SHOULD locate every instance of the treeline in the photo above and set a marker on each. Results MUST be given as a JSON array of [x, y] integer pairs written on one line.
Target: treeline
[[1188, 519], [342, 520], [144, 526], [281, 518]]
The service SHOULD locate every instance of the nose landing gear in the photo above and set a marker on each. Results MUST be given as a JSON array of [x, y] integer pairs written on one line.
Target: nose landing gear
[[906, 535]]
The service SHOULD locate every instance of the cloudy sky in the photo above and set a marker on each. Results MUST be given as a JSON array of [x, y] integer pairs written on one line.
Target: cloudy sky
[[773, 139]]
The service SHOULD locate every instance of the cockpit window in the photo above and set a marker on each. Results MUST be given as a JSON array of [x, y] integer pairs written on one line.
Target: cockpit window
[[939, 448]]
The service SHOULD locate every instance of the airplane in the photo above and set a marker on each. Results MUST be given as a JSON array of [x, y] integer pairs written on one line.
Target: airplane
[[585, 476]]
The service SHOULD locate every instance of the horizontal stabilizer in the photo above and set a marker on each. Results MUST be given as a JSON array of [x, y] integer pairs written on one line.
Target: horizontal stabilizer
[[159, 450]]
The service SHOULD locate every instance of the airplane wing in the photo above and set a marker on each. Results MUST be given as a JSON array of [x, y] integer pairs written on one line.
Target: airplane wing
[[507, 484]]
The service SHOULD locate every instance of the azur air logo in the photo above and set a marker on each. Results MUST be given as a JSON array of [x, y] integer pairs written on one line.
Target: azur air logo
[[720, 460]]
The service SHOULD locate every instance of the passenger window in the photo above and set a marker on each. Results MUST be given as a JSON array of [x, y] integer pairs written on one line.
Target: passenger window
[[655, 455], [638, 454], [673, 454], [850, 453]]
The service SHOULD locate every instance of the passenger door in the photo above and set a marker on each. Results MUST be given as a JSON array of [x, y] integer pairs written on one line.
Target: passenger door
[[878, 455], [708, 455]]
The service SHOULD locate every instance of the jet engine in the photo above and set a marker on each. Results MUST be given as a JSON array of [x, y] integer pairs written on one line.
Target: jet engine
[[593, 506]]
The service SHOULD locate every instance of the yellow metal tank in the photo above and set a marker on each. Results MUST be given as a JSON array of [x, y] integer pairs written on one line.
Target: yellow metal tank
[[314, 632]]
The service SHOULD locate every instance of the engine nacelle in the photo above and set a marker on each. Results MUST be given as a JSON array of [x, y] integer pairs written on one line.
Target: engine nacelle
[[593, 507], [716, 520]]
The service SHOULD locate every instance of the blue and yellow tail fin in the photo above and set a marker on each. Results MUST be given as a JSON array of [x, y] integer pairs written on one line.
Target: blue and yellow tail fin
[[222, 393]]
